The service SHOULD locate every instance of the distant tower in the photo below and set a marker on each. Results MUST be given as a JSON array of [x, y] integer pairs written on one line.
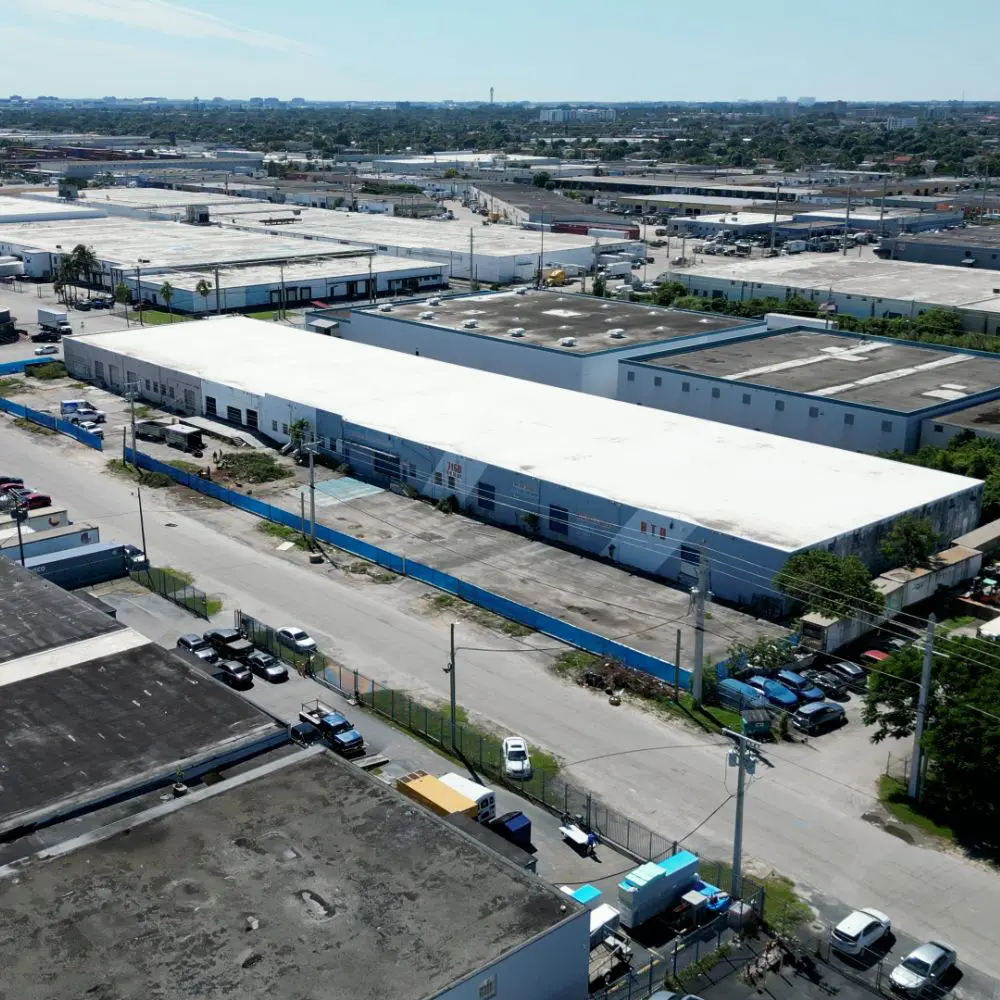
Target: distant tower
[[491, 95]]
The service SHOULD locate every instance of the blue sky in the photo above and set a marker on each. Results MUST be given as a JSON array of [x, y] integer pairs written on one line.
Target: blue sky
[[439, 49]]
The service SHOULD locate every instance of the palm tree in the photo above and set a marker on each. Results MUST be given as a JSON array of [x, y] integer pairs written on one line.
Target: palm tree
[[167, 294], [85, 263], [297, 431], [67, 275], [203, 288]]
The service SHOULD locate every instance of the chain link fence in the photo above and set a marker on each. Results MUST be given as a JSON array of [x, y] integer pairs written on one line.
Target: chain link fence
[[168, 585], [636, 984], [264, 637], [898, 767]]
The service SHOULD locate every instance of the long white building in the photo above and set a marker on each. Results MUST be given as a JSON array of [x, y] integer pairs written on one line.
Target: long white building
[[644, 488]]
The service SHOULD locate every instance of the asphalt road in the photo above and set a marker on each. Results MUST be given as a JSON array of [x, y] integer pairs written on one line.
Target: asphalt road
[[802, 815]]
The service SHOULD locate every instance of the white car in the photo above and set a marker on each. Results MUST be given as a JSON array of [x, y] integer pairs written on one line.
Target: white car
[[855, 934], [516, 759], [295, 638], [48, 349], [93, 428]]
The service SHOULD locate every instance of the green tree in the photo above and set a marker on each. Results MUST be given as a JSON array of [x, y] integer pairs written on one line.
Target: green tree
[[667, 294], [691, 302], [85, 264], [167, 294], [204, 289], [764, 653], [911, 542], [600, 286], [541, 178], [838, 586], [122, 297], [962, 730], [298, 431]]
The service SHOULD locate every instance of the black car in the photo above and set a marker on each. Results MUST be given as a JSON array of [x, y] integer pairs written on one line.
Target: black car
[[194, 643], [830, 684], [268, 667], [850, 673], [235, 674], [819, 716], [229, 642]]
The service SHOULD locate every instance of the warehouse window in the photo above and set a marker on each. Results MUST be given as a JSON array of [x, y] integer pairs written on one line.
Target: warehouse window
[[685, 386], [938, 428], [848, 419], [131, 379], [156, 385], [99, 371], [451, 482], [558, 520], [630, 377], [170, 392], [234, 414], [252, 419], [690, 554], [147, 385], [437, 478], [209, 404], [716, 393], [486, 496], [813, 411], [274, 426], [657, 380], [746, 399], [779, 404], [886, 426]]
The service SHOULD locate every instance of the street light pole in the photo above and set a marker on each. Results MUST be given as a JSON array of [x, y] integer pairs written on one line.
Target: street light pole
[[745, 761], [700, 595], [142, 523]]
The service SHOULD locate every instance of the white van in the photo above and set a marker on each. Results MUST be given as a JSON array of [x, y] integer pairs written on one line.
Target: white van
[[484, 797], [989, 630]]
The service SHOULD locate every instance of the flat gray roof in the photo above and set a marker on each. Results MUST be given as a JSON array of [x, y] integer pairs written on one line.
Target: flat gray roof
[[36, 615], [882, 373], [984, 415], [970, 236], [546, 317], [529, 197], [352, 891]]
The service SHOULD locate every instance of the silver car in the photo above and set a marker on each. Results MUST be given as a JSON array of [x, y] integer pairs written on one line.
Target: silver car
[[925, 966]]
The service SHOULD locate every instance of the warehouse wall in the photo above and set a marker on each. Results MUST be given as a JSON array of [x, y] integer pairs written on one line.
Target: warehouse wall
[[820, 420], [937, 433], [953, 254]]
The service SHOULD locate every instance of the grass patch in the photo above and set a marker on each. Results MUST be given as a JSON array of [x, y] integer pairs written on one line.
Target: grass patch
[[950, 624], [358, 568], [142, 411], [32, 427], [154, 480], [473, 613], [193, 468], [179, 576], [383, 576], [156, 317], [262, 314], [252, 467], [9, 386], [575, 661], [48, 372], [283, 532], [893, 795]]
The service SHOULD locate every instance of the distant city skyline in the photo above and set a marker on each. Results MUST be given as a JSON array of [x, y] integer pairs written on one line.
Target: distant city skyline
[[653, 50]]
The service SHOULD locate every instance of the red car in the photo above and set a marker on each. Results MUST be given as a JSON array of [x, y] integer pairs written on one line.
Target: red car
[[32, 500], [872, 656], [9, 484]]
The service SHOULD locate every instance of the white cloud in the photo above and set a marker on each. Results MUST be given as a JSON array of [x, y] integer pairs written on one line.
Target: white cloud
[[165, 18]]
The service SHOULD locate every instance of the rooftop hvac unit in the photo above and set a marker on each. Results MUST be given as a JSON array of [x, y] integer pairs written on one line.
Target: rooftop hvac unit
[[434, 302], [567, 341], [516, 331], [385, 309], [470, 324], [617, 333], [427, 314]]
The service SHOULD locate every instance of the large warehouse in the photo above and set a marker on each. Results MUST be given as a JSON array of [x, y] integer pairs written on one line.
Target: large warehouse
[[152, 203], [566, 340], [499, 254], [856, 286], [15, 210], [974, 246], [639, 486], [863, 393]]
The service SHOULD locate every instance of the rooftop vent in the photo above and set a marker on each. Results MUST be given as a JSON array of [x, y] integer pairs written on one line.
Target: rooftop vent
[[617, 333], [516, 331], [567, 341], [385, 308], [434, 302], [427, 314], [470, 324]]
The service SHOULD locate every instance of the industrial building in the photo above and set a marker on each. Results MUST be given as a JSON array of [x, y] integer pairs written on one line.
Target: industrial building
[[490, 254], [697, 186], [98, 714], [877, 220], [974, 246], [862, 393], [305, 874], [461, 160], [265, 285], [15, 210], [981, 419], [523, 204], [570, 341], [855, 286], [638, 486], [152, 203]]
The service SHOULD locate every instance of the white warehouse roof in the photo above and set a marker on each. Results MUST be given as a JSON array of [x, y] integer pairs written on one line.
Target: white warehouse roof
[[776, 491]]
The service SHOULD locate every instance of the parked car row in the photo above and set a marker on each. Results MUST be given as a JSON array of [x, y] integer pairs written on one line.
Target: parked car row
[[238, 660], [923, 969], [14, 494]]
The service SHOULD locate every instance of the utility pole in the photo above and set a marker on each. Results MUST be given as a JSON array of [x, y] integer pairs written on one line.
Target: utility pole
[[132, 390], [217, 310], [450, 671], [925, 689], [774, 220], [142, 522], [847, 221], [472, 269], [312, 493], [743, 758], [986, 184], [881, 213], [20, 515], [700, 595], [677, 669], [541, 253], [138, 292], [281, 308]]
